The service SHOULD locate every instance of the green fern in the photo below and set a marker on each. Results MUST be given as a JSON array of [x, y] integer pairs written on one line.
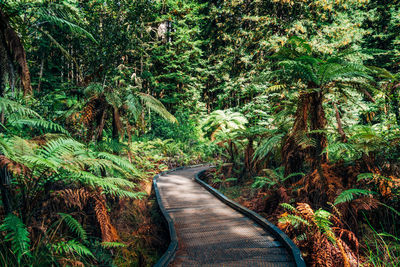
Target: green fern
[[112, 245], [294, 220], [322, 218], [120, 162], [11, 107], [288, 207], [42, 124], [63, 23], [73, 225], [17, 235], [348, 195], [156, 106], [368, 175], [72, 247], [267, 146]]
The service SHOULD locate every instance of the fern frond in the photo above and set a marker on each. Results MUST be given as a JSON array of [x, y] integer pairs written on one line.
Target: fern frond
[[73, 225], [38, 162], [294, 220], [267, 146], [59, 147], [120, 182], [156, 106], [121, 162], [5, 148], [288, 207], [43, 124], [348, 195], [112, 245], [72, 247], [94, 181], [17, 235], [63, 23], [11, 107], [368, 175], [275, 88]]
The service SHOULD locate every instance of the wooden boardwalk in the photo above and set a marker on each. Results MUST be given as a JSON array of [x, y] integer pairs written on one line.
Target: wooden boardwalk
[[210, 233]]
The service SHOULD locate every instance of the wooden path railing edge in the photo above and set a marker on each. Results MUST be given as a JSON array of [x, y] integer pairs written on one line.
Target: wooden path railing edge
[[271, 228]]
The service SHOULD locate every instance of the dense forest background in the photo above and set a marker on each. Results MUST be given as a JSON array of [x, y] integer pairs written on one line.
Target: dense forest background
[[295, 102]]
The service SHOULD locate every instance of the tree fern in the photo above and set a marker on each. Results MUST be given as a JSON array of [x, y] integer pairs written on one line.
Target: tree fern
[[74, 225], [17, 235], [348, 195]]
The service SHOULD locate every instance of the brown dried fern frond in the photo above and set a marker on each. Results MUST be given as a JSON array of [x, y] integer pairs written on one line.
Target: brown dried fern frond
[[73, 197], [89, 112], [306, 212], [108, 231], [14, 167]]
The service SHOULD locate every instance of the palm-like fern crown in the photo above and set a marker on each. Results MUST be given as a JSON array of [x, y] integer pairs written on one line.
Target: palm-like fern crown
[[224, 121], [296, 63], [63, 14]]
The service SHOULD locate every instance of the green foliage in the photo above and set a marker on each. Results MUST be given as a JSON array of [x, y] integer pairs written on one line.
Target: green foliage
[[72, 247], [17, 235], [273, 178], [47, 126], [348, 195], [224, 121], [74, 225]]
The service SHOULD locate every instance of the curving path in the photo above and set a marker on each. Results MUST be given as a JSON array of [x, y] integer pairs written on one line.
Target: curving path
[[209, 232]]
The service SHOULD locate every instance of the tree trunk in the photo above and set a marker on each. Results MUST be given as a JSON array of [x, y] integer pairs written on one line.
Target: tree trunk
[[40, 74], [293, 155], [117, 124], [317, 123], [101, 125], [309, 115], [14, 47], [5, 182]]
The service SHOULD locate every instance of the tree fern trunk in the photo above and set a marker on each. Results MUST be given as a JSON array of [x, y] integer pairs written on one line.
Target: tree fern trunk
[[318, 122], [309, 115], [5, 191], [293, 155], [15, 48]]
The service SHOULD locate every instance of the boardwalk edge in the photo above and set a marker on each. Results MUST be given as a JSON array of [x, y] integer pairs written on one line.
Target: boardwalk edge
[[274, 230]]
